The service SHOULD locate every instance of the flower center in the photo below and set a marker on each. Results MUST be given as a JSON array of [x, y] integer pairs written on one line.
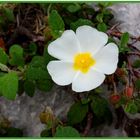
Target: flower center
[[83, 61]]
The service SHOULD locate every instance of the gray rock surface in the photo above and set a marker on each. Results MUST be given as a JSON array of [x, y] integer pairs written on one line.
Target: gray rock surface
[[24, 111], [128, 15]]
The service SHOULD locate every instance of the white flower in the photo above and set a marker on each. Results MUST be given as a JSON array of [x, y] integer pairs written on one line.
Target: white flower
[[84, 58]]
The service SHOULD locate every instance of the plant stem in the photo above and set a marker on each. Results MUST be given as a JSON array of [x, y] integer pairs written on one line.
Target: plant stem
[[88, 125]]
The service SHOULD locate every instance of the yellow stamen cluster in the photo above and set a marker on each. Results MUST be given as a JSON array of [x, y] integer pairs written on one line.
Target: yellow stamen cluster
[[83, 61]]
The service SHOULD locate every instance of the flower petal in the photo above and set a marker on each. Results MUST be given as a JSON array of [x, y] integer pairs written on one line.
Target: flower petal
[[86, 82], [107, 59], [65, 47], [61, 72], [91, 40]]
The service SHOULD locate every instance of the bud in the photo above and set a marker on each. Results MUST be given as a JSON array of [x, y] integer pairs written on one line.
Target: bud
[[115, 98], [47, 116], [128, 91]]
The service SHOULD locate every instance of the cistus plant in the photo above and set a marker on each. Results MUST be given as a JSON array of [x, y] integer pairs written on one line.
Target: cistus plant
[[71, 43]]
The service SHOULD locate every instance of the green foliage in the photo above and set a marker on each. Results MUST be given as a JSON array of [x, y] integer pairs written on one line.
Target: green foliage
[[37, 73], [16, 55], [136, 63], [1, 21], [56, 24], [74, 7], [8, 13], [98, 102], [29, 87], [137, 103], [37, 69], [47, 57], [11, 132], [66, 131], [105, 4], [38, 61], [123, 43], [100, 108], [131, 107], [77, 113], [80, 22], [85, 101], [32, 49], [3, 57], [102, 27], [99, 17], [45, 85], [20, 87], [46, 133], [137, 84], [9, 85]]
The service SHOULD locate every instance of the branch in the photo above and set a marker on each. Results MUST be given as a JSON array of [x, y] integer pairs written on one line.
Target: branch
[[24, 31], [88, 125], [134, 53]]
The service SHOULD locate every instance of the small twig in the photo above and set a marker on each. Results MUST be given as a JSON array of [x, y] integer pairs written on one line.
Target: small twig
[[133, 47], [88, 125], [114, 85], [17, 18], [136, 73], [24, 31], [134, 53]]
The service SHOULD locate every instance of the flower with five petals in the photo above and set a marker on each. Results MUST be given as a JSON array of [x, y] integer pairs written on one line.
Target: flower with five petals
[[83, 57]]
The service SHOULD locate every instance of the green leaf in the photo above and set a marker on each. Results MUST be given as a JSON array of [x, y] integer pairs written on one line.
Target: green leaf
[[38, 61], [131, 108], [20, 87], [1, 21], [12, 132], [73, 7], [16, 54], [101, 110], [46, 55], [102, 27], [66, 132], [124, 39], [32, 49], [8, 13], [56, 24], [80, 22], [3, 57], [29, 87], [9, 85], [2, 74], [85, 101], [33, 73], [46, 133], [136, 63], [99, 17], [105, 4], [123, 43], [77, 113], [99, 106], [45, 85], [137, 102], [137, 84]]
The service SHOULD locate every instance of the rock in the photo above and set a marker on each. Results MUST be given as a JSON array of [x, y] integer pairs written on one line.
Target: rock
[[24, 111]]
